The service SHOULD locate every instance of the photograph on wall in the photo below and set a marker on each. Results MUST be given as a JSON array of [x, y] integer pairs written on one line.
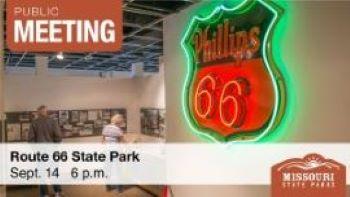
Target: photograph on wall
[[12, 117], [63, 117], [24, 117], [106, 114], [67, 130], [88, 129], [99, 114], [13, 131], [162, 122], [76, 130], [54, 115], [83, 116], [92, 115], [150, 121], [74, 116], [105, 122], [25, 127], [98, 126]]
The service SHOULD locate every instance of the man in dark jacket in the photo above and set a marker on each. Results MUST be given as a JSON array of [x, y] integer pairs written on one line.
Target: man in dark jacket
[[45, 130]]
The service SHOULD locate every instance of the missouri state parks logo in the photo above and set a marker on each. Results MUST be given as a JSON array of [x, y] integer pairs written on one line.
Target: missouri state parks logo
[[311, 176], [233, 89]]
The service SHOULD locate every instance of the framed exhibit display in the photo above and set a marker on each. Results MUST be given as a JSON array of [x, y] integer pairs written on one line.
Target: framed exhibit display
[[24, 117], [13, 132], [83, 123], [153, 122], [54, 115], [83, 116], [17, 125], [63, 116], [25, 127], [74, 116], [106, 114], [94, 115], [162, 121], [72, 123]]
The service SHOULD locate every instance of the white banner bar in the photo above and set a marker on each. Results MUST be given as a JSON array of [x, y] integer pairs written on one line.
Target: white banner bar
[[161, 164]]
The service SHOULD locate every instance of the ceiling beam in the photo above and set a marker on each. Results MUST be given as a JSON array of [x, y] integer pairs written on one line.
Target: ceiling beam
[[151, 38], [134, 25], [142, 11], [135, 4]]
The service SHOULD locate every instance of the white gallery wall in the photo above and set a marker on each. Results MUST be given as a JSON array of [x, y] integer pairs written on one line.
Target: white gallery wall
[[27, 92], [315, 49]]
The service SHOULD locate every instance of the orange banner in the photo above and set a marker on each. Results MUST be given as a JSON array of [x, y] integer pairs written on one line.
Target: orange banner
[[64, 25]]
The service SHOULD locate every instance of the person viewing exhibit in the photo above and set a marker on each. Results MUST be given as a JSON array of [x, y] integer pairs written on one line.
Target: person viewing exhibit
[[45, 130], [113, 133]]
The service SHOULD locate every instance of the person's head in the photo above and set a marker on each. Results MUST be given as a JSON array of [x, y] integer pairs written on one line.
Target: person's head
[[42, 110], [117, 119]]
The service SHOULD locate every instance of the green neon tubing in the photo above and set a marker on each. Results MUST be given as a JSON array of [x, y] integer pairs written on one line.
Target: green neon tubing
[[242, 7]]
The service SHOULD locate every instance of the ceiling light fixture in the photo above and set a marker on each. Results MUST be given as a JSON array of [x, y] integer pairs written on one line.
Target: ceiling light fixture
[[60, 56]]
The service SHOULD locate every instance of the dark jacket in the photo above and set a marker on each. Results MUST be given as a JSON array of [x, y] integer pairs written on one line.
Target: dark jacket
[[44, 129]]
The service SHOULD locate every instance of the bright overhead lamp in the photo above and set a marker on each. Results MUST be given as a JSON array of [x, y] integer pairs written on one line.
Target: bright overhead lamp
[[60, 56]]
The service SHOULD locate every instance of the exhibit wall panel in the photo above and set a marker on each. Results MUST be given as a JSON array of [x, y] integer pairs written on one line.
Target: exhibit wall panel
[[26, 92], [311, 46]]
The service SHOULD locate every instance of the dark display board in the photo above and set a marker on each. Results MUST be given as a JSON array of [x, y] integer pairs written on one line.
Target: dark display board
[[153, 122], [73, 123]]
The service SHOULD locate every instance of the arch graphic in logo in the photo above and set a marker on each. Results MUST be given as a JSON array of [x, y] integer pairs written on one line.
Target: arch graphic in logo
[[311, 176]]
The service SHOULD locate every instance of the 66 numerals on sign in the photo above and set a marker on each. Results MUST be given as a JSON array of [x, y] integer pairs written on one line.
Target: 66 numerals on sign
[[228, 98]]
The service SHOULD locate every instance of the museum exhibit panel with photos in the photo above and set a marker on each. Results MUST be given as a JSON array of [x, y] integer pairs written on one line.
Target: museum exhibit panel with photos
[[153, 122], [72, 123]]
